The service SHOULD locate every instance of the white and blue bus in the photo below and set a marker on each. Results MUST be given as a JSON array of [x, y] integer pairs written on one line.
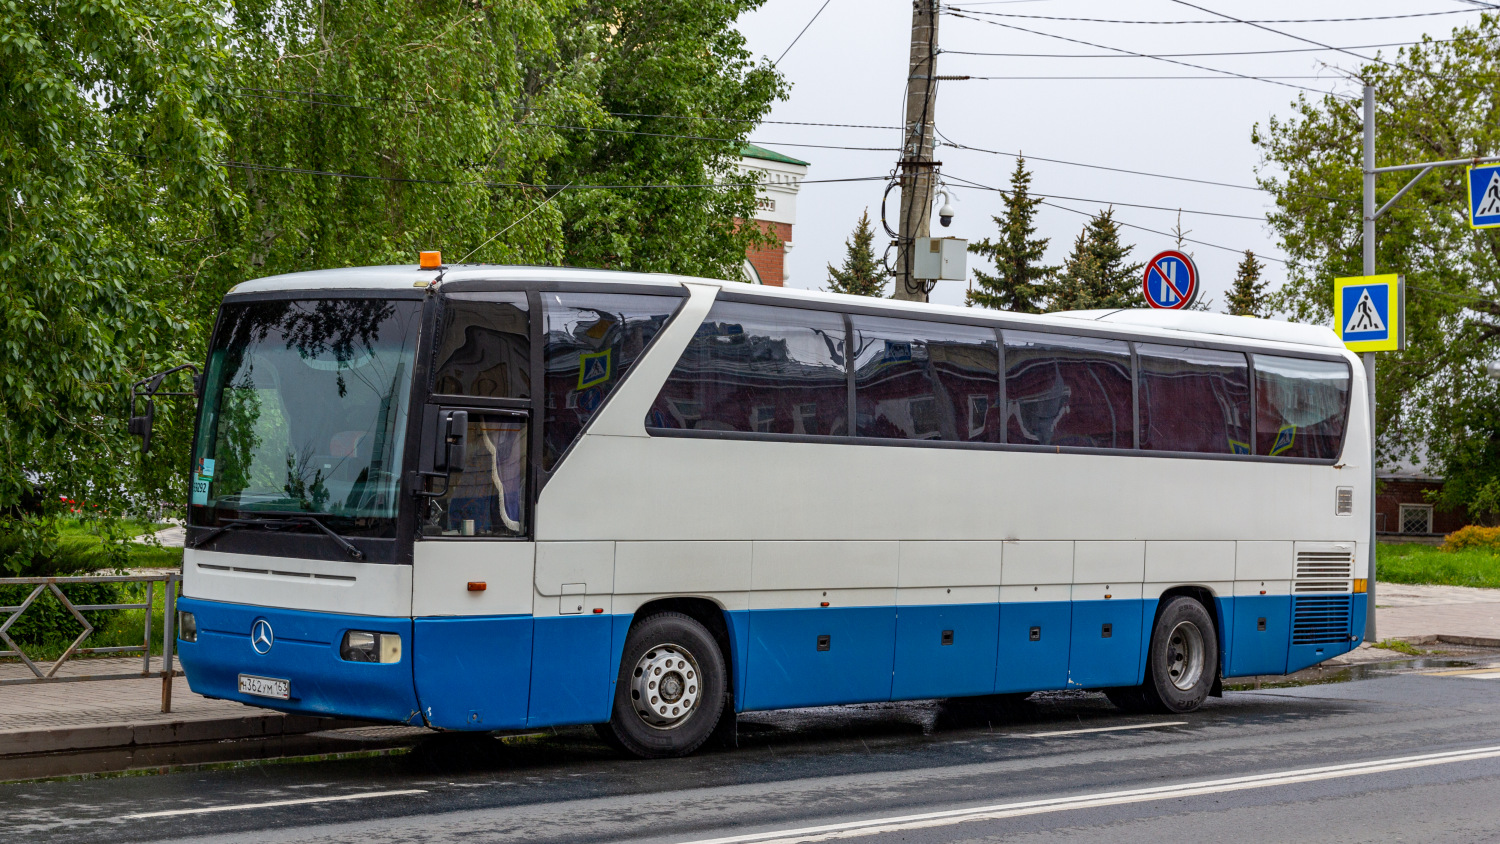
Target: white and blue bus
[[497, 498]]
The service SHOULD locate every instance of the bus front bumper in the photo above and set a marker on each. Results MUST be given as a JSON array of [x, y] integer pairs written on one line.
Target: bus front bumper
[[301, 648]]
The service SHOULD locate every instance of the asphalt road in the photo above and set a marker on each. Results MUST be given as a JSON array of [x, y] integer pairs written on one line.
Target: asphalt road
[[1409, 757]]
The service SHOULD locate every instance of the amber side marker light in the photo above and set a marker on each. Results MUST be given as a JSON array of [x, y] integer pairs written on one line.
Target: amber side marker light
[[478, 586], [430, 260], [1361, 585]]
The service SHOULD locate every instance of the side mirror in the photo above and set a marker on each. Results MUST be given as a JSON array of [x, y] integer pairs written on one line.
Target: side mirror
[[453, 445], [140, 426], [145, 391]]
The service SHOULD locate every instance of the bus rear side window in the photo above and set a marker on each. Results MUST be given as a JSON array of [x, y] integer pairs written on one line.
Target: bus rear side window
[[1300, 406], [1194, 399], [1067, 390], [484, 346], [592, 340], [926, 381], [759, 369]]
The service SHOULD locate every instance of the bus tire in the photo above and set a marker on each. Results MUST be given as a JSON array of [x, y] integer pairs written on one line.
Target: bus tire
[[670, 693], [1183, 660]]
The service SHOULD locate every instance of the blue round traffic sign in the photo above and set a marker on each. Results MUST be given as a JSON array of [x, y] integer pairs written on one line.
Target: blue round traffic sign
[[1171, 281]]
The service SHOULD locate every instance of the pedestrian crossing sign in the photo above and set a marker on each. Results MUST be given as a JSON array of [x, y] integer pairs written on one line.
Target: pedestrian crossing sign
[[1369, 312], [1484, 196]]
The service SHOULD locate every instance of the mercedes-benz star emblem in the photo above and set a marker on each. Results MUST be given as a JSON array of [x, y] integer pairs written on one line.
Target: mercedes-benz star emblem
[[261, 637]]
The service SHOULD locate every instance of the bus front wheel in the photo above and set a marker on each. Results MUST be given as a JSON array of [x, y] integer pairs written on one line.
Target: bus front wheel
[[1181, 664], [670, 692]]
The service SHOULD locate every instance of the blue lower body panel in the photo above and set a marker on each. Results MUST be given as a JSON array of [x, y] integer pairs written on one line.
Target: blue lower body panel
[[945, 651], [1033, 652], [473, 673], [570, 670], [786, 667], [1321, 628], [1260, 633], [304, 651], [1106, 646]]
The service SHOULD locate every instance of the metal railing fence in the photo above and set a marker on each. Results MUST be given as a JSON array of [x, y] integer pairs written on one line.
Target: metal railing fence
[[170, 588]]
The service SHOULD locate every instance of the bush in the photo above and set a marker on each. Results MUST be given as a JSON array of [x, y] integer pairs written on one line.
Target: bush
[[47, 622], [1473, 536]]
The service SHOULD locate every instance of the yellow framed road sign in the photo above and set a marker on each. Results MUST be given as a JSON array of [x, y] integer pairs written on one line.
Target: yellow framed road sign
[[1369, 312]]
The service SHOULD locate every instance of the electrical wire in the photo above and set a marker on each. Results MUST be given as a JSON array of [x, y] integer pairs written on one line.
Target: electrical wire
[[1149, 56], [1179, 22], [544, 203], [1128, 78], [800, 34], [1200, 55]]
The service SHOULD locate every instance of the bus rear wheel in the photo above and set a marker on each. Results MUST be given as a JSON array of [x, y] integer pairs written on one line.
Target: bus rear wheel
[[670, 693], [1182, 662]]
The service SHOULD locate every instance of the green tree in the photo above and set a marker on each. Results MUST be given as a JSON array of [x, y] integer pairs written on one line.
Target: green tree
[[1017, 253], [861, 274], [1096, 274], [1435, 101], [109, 138], [1247, 296]]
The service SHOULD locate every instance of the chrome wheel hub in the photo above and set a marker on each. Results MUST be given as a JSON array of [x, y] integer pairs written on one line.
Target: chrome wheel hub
[[665, 686], [1185, 655]]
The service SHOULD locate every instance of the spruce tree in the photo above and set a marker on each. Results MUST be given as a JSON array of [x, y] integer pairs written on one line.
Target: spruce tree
[[1247, 297], [1096, 274], [862, 274], [1017, 284]]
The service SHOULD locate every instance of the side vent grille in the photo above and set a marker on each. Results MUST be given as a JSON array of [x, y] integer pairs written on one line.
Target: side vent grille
[[1324, 571], [1343, 501], [1320, 620]]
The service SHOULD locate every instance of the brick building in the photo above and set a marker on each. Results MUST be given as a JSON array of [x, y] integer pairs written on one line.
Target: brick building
[[1402, 506], [775, 211]]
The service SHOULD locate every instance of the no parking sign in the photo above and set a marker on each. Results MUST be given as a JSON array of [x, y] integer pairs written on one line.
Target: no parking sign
[[1171, 281]]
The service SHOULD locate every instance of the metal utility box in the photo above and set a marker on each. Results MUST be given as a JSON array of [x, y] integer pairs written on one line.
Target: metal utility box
[[940, 259]]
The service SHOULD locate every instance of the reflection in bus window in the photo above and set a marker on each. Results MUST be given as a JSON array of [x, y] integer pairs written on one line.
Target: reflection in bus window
[[1067, 390], [1194, 399], [483, 348], [591, 341], [488, 497], [1300, 406], [926, 381]]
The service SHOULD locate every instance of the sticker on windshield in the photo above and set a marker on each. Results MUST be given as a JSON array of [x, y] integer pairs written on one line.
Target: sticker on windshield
[[593, 369], [203, 474]]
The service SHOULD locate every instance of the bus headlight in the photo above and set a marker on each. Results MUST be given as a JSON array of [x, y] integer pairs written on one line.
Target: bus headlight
[[187, 626], [367, 646]]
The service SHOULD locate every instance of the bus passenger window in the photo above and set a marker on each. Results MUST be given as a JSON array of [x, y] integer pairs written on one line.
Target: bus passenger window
[[926, 381], [483, 346], [1300, 406], [1194, 399], [759, 368], [1067, 390], [488, 497], [592, 340]]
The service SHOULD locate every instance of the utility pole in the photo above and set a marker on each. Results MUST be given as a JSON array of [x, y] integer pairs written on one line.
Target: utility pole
[[1368, 241], [918, 169]]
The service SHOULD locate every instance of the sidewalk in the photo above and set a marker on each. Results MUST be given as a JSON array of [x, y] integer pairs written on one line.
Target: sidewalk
[[1455, 613]]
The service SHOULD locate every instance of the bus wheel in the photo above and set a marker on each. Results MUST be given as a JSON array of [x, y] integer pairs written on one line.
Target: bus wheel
[[1184, 657], [670, 692]]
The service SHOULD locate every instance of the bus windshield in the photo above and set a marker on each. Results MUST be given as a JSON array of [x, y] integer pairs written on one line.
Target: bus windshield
[[304, 411]]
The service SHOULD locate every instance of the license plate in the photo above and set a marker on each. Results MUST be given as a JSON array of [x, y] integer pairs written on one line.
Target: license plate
[[265, 687]]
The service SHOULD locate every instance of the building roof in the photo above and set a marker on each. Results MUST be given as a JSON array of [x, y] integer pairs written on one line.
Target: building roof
[[749, 150]]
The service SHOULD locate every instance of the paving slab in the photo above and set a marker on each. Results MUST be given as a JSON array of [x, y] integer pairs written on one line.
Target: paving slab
[[1464, 614]]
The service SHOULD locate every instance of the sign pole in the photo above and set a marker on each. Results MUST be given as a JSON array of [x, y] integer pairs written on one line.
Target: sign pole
[[1368, 240]]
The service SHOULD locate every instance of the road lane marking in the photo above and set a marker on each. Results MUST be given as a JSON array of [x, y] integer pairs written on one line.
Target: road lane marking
[[364, 795], [1102, 729], [1000, 811], [1489, 672]]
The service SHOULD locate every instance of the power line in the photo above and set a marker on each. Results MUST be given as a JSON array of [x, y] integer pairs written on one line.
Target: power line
[[1200, 55], [1131, 78], [1148, 56], [1177, 22], [1128, 204], [800, 34]]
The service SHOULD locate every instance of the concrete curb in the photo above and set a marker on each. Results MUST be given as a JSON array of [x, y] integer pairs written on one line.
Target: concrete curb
[[1433, 639], [123, 735]]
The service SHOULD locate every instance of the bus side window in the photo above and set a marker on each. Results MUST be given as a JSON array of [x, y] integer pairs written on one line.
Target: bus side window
[[925, 380], [1067, 390], [487, 497], [483, 347], [591, 340], [759, 368], [1300, 406], [1194, 399]]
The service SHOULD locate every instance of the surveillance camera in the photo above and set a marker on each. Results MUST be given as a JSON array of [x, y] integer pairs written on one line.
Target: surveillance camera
[[945, 214]]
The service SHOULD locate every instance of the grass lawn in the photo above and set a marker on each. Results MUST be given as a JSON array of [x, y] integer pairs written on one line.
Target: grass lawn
[[1402, 563], [79, 538]]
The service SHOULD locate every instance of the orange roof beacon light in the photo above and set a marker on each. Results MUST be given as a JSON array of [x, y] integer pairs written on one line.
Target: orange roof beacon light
[[430, 260]]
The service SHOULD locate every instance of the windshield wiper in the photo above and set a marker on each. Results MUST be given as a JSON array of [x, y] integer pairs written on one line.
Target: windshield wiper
[[284, 519]]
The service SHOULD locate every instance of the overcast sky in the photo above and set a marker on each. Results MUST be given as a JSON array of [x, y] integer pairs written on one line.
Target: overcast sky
[[850, 67]]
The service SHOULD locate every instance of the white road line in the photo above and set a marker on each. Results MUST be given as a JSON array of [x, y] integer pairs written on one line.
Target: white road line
[[1103, 729], [364, 795], [906, 823], [1485, 675]]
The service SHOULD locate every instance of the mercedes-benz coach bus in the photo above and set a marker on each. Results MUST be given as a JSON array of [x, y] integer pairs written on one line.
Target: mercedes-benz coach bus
[[497, 498]]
